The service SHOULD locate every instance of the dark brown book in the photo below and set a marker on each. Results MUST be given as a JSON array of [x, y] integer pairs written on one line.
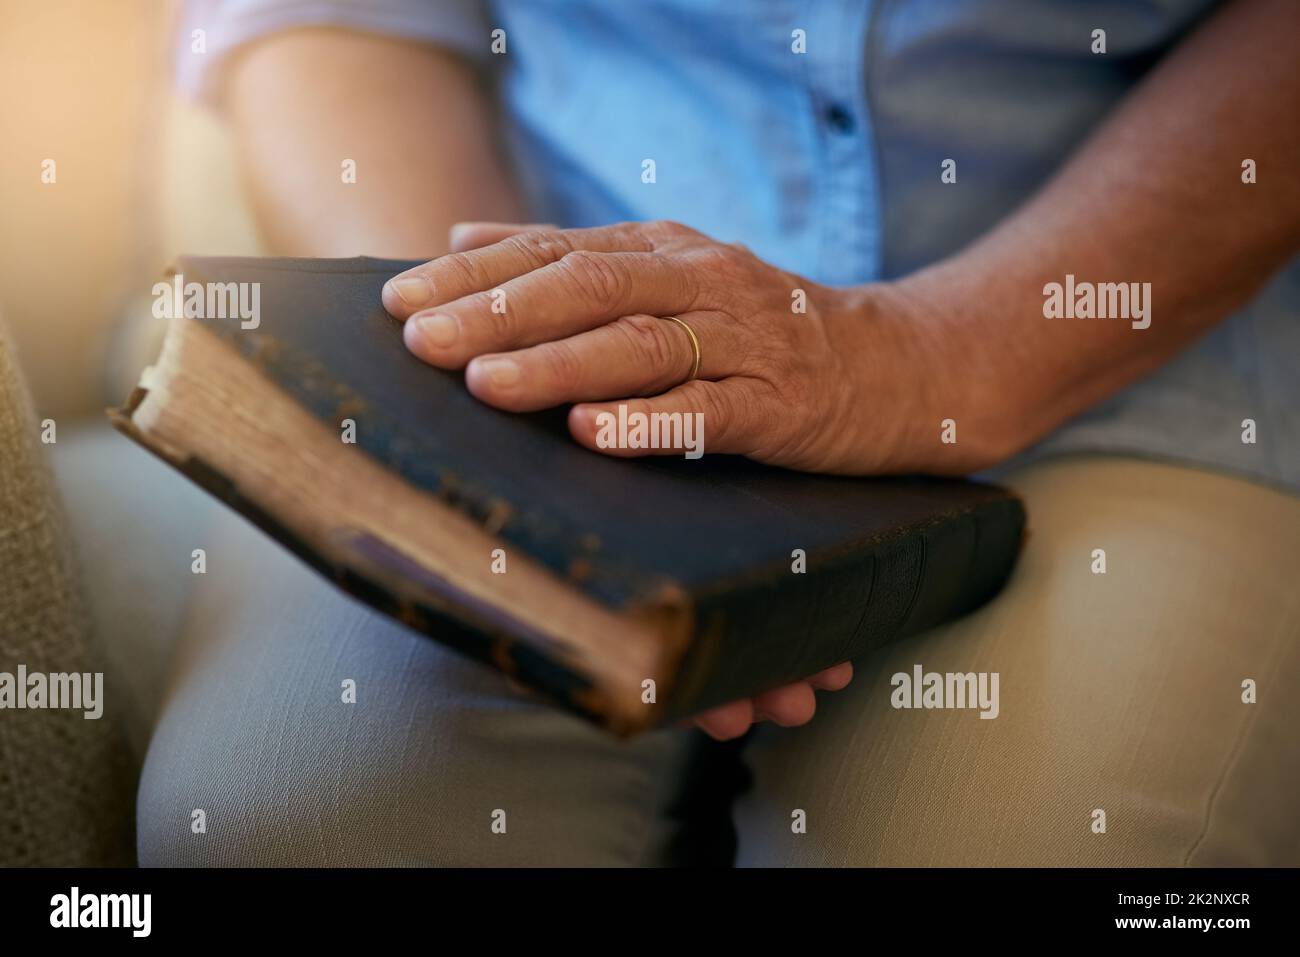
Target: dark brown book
[[635, 591]]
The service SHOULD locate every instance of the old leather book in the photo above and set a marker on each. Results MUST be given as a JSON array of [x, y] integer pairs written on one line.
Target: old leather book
[[635, 591]]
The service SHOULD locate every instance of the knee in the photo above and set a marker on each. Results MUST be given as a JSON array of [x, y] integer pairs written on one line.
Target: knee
[[262, 793], [467, 784]]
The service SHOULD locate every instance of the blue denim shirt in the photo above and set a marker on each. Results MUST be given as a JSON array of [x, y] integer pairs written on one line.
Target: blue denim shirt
[[826, 162]]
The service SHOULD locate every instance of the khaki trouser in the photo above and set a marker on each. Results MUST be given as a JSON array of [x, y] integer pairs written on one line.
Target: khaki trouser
[[1120, 694]]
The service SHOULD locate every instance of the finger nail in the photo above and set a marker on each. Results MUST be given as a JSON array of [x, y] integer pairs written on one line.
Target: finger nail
[[438, 330], [500, 372], [412, 290]]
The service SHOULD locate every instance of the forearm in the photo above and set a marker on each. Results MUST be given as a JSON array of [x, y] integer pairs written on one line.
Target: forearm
[[1156, 196], [413, 118]]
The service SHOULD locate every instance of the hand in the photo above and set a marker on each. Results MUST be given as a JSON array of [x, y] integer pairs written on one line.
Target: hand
[[793, 373], [788, 706]]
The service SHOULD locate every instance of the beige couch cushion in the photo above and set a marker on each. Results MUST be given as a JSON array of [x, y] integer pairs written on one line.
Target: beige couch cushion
[[66, 783]]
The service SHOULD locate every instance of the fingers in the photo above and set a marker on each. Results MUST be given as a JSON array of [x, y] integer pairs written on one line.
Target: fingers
[[631, 356], [795, 704], [727, 721], [788, 706], [836, 678], [459, 274], [579, 292], [463, 236], [729, 417]]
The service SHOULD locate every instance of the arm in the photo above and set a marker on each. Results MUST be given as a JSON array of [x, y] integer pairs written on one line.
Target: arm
[[413, 117], [1154, 196]]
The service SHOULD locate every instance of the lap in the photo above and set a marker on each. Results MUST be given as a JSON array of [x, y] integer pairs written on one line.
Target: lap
[[1118, 692], [434, 751]]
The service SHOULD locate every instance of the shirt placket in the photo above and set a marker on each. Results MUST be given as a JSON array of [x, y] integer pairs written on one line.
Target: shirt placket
[[850, 227]]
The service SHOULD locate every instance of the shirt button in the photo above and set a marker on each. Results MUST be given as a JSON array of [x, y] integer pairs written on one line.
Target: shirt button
[[839, 118]]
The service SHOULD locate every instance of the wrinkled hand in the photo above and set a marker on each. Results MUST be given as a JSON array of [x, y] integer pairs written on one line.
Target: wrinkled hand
[[793, 373]]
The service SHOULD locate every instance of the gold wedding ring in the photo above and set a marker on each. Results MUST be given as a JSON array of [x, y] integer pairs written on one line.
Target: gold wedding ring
[[695, 345]]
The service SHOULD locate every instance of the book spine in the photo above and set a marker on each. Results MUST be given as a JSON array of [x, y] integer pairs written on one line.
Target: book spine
[[795, 624]]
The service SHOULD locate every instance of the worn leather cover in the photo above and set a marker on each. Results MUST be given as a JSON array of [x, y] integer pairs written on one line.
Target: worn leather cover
[[885, 557]]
